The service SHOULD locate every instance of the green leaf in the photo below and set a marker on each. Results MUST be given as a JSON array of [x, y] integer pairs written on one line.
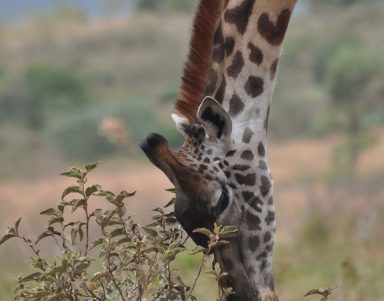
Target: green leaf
[[61, 207], [229, 229], [117, 232], [107, 194], [73, 235], [54, 220], [43, 235], [81, 233], [51, 211], [77, 204], [11, 231], [123, 195], [99, 276], [150, 231], [71, 189], [91, 166], [73, 173], [53, 231], [171, 220], [5, 238], [92, 189], [84, 265], [31, 277], [123, 241], [41, 294], [96, 243], [17, 225], [170, 203], [228, 232], [203, 231], [173, 190]]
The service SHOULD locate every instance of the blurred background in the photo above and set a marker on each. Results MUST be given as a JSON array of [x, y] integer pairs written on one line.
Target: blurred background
[[86, 80]]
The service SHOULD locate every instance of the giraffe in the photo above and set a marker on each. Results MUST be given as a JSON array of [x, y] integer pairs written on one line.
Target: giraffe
[[220, 173]]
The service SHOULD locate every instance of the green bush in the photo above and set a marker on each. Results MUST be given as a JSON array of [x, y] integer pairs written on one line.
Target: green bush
[[178, 5], [52, 91], [40, 94], [316, 3], [324, 54], [125, 261], [355, 75]]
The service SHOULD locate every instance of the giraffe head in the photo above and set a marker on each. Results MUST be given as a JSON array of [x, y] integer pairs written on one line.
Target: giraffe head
[[198, 169]]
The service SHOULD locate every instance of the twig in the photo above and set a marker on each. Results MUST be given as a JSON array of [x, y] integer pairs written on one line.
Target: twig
[[196, 278]]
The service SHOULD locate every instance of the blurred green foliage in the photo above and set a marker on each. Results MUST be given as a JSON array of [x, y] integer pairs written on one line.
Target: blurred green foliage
[[79, 135], [338, 2], [41, 93], [353, 77], [52, 91], [175, 5], [62, 72]]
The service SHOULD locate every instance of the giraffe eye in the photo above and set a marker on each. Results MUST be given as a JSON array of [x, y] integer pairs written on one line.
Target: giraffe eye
[[222, 203]]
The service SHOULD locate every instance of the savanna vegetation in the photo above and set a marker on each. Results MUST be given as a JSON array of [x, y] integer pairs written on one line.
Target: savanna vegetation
[[75, 89]]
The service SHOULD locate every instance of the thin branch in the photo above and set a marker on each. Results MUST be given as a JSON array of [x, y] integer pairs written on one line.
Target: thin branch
[[196, 278]]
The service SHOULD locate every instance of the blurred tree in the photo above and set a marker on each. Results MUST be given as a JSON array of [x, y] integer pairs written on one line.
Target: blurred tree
[[80, 135], [321, 56], [316, 3], [52, 91], [40, 94], [178, 5], [354, 79]]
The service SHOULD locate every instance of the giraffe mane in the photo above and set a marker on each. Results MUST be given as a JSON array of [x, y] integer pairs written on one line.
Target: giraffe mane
[[196, 70]]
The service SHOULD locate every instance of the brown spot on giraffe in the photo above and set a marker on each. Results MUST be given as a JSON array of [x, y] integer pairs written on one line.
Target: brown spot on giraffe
[[263, 165], [247, 195], [274, 33], [265, 186], [218, 37], [252, 221], [248, 180], [267, 237], [240, 15], [270, 218], [253, 243], [218, 55], [261, 149], [229, 45], [255, 55], [256, 203], [254, 86], [241, 167], [247, 155], [247, 135], [237, 65], [236, 105], [230, 153]]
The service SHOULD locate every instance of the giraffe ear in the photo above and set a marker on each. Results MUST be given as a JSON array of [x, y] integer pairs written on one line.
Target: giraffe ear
[[182, 123], [214, 118]]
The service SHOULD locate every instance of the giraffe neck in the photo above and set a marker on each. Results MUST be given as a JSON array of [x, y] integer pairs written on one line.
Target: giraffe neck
[[246, 50], [247, 47]]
